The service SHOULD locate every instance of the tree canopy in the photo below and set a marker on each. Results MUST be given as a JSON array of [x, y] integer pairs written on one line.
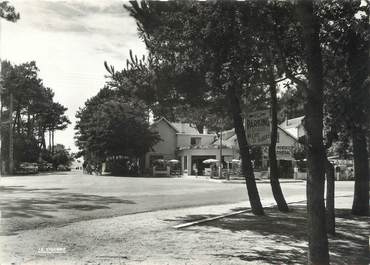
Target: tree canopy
[[110, 127], [8, 12], [34, 111]]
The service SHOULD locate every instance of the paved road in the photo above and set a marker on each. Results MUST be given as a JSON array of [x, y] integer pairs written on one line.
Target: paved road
[[30, 202]]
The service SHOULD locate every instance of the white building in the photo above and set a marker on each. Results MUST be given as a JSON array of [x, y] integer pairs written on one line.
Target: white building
[[294, 127], [183, 142]]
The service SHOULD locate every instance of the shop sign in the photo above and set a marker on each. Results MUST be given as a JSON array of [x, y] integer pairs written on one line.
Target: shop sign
[[282, 152]]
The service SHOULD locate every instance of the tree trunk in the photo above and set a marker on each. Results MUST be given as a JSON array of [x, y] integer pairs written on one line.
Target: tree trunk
[[274, 171], [1, 123], [29, 126], [330, 194], [247, 168], [42, 132], [17, 120], [11, 136], [360, 204], [358, 65], [318, 250], [49, 140], [52, 141]]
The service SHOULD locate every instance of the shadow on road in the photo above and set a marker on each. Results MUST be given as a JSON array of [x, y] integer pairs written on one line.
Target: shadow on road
[[286, 237], [42, 203], [14, 189]]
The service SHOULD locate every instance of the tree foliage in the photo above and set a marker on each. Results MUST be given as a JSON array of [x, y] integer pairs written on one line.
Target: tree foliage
[[8, 12], [34, 111], [216, 54], [110, 127]]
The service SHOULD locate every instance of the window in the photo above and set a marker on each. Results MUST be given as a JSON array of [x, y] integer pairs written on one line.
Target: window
[[195, 140]]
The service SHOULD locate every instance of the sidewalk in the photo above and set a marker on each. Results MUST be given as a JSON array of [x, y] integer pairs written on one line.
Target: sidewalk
[[150, 238], [241, 180]]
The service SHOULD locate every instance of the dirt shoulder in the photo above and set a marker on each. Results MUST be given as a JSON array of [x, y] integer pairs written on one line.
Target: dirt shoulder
[[149, 238]]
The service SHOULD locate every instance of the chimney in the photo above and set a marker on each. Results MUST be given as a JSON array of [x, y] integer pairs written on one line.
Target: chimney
[[205, 130], [286, 119], [182, 128]]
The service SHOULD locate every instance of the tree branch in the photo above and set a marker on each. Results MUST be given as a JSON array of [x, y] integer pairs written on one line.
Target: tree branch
[[299, 82]]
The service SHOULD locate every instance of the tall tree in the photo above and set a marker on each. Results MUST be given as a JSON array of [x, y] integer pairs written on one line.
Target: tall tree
[[358, 66], [34, 110], [193, 36], [271, 23], [109, 126], [318, 252], [9, 13]]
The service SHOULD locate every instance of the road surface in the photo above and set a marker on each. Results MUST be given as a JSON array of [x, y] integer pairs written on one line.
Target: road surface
[[30, 202]]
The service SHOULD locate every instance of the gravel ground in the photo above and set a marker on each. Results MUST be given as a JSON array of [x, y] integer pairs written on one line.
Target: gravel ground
[[149, 238]]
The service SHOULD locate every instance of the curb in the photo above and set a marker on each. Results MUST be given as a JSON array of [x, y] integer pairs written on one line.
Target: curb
[[180, 226], [242, 181]]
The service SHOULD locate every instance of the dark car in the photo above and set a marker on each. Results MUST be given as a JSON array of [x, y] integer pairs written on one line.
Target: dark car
[[27, 168], [63, 168], [45, 166]]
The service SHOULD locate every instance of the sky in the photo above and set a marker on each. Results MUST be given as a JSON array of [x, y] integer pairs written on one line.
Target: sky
[[70, 40]]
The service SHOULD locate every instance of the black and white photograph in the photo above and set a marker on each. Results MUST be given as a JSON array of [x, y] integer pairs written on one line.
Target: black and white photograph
[[184, 132]]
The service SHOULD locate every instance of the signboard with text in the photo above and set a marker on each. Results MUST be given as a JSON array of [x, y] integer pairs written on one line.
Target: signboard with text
[[282, 152], [257, 126]]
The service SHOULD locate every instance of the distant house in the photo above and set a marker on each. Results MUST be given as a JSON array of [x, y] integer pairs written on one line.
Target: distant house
[[183, 142], [77, 164], [287, 139], [294, 127]]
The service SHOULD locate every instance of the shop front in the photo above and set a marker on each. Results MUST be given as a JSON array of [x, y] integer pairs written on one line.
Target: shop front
[[192, 159]]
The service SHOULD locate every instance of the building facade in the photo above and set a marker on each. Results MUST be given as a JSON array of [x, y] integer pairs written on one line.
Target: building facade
[[183, 142]]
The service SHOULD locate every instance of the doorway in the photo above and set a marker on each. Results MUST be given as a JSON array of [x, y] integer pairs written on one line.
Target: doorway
[[197, 165]]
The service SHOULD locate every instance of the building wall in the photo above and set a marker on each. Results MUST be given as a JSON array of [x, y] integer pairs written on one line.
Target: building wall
[[300, 131], [184, 139], [167, 146], [292, 131], [283, 147], [284, 139]]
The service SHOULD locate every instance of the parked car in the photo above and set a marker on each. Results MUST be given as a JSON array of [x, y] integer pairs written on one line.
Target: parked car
[[27, 168], [63, 168], [45, 166]]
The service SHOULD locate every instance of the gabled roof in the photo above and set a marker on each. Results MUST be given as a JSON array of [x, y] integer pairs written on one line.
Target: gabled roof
[[288, 133], [231, 139], [179, 127], [185, 128], [228, 138], [292, 123], [164, 120], [227, 134]]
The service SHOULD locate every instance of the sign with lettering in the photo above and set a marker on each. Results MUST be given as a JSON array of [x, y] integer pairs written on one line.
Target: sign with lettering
[[282, 152], [258, 127]]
